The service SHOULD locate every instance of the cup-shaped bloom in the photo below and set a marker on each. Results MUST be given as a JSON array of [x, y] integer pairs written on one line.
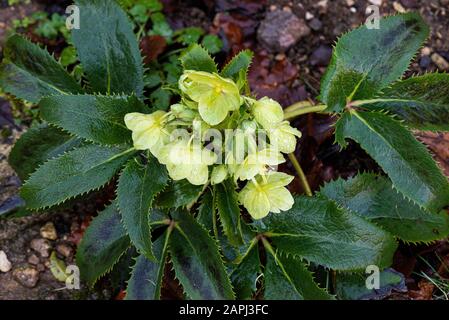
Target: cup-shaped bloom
[[148, 132], [267, 112], [283, 137], [187, 160], [266, 194], [258, 163], [216, 96]]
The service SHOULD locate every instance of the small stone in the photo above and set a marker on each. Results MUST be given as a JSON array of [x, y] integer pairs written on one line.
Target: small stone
[[65, 250], [48, 231], [353, 9], [424, 62], [33, 259], [321, 56], [5, 264], [280, 30], [322, 4], [41, 267], [27, 277], [376, 2], [41, 246], [441, 63], [426, 51], [350, 3], [315, 24], [398, 7], [309, 16]]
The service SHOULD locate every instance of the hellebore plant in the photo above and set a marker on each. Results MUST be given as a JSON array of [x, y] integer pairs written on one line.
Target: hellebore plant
[[176, 139], [188, 176]]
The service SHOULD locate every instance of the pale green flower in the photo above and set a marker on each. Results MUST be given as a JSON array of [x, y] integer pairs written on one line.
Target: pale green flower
[[148, 132], [258, 163], [219, 174], [268, 112], [187, 160], [283, 137], [183, 112], [266, 194], [216, 96]]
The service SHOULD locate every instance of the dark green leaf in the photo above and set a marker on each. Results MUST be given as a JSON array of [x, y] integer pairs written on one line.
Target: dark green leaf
[[102, 245], [137, 187], [206, 214], [190, 35], [96, 118], [353, 286], [422, 102], [287, 278], [406, 161], [108, 49], [212, 43], [36, 146], [244, 276], [30, 73], [373, 198], [367, 60], [178, 194], [238, 66], [197, 58], [68, 56], [160, 99], [317, 230], [197, 261], [72, 174], [229, 211], [146, 277]]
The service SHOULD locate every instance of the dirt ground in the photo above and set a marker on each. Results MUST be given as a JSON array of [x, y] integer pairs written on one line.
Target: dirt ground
[[288, 71]]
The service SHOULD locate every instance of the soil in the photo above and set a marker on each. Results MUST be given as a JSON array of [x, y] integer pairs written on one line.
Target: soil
[[288, 75]]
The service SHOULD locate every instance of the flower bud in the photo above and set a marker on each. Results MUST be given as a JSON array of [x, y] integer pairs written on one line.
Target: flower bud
[[268, 113]]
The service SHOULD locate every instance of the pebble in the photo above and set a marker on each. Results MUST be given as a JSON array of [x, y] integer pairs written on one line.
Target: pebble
[[441, 63], [398, 7], [27, 277], [64, 249], [309, 16], [5, 264], [48, 231], [376, 2], [321, 56], [424, 62], [315, 24], [41, 246], [280, 30], [350, 3], [33, 259], [426, 51]]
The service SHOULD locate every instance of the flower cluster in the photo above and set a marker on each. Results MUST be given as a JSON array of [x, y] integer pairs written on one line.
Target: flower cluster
[[214, 133]]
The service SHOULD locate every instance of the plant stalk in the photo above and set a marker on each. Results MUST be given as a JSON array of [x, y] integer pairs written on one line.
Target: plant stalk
[[299, 109], [302, 177]]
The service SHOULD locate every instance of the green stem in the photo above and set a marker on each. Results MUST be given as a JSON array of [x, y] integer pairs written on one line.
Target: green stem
[[302, 177], [291, 113]]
